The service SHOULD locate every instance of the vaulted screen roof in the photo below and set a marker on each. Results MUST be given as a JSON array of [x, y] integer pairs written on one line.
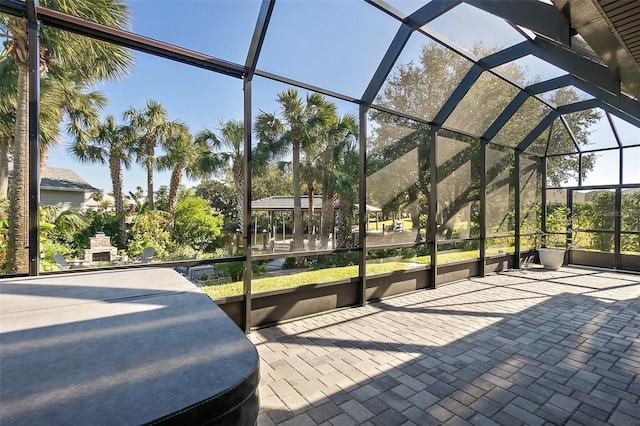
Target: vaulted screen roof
[[547, 59]]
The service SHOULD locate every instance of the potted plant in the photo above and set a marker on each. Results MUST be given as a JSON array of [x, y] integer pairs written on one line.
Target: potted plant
[[552, 256], [124, 256]]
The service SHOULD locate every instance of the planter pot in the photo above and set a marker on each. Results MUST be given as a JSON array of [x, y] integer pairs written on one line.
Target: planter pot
[[551, 258]]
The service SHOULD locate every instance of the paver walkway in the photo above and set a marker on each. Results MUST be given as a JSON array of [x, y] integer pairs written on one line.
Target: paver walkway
[[521, 347]]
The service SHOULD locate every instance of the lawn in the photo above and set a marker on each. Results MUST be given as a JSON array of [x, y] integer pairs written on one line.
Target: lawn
[[262, 284], [302, 278]]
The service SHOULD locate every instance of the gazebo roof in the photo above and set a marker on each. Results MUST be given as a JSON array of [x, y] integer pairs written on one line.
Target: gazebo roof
[[285, 202]]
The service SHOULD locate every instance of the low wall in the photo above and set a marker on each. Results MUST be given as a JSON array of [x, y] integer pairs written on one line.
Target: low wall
[[282, 305], [592, 258]]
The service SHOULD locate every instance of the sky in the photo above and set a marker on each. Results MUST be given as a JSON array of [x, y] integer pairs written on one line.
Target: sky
[[336, 45]]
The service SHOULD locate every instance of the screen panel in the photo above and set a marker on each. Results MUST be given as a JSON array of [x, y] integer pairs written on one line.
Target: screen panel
[[398, 180], [458, 186], [422, 79]]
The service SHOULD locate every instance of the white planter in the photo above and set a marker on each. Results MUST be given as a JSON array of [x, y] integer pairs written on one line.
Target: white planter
[[551, 258]]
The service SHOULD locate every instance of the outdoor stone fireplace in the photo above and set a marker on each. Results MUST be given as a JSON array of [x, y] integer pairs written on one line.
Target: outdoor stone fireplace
[[100, 249]]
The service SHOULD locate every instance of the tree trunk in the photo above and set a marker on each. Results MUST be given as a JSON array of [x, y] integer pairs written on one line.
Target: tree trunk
[[326, 216], [298, 226], [4, 167], [311, 235], [150, 153], [115, 169], [346, 219], [174, 187], [238, 176], [150, 202], [18, 233]]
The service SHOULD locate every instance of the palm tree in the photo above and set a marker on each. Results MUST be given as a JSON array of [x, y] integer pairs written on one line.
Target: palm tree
[[60, 96], [65, 221], [109, 144], [345, 182], [338, 171], [90, 61], [63, 96], [298, 125], [8, 77], [181, 154], [312, 164], [225, 155], [152, 126]]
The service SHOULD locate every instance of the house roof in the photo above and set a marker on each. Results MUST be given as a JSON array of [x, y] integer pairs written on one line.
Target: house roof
[[54, 178], [285, 202], [59, 179]]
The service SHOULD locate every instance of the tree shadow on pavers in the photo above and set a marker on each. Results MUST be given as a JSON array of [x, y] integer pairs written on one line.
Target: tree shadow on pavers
[[527, 285], [570, 357]]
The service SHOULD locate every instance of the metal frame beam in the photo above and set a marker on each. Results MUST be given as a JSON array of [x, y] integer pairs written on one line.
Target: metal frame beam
[[552, 84], [537, 131], [432, 238], [614, 130], [13, 7], [80, 26], [429, 12], [33, 33], [543, 201], [246, 317], [593, 151], [484, 147], [621, 106], [617, 227], [386, 64], [578, 106], [305, 86], [585, 74], [458, 94], [568, 234], [579, 168], [517, 207], [417, 19], [506, 115], [507, 55], [496, 59], [550, 132], [541, 18], [259, 33], [571, 135], [362, 204], [633, 118], [581, 67]]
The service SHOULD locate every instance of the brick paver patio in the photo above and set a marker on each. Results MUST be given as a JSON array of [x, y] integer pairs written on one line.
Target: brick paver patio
[[527, 347]]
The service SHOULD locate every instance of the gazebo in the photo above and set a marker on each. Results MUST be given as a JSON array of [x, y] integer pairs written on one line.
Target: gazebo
[[284, 204]]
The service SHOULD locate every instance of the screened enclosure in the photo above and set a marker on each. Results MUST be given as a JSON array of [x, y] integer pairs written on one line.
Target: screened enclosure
[[260, 146]]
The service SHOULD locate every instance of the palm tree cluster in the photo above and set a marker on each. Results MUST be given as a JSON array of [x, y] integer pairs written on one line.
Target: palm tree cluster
[[66, 96], [148, 137], [65, 75], [324, 157]]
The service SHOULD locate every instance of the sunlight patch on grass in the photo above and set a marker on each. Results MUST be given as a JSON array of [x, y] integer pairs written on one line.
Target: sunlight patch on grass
[[302, 278], [290, 280]]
